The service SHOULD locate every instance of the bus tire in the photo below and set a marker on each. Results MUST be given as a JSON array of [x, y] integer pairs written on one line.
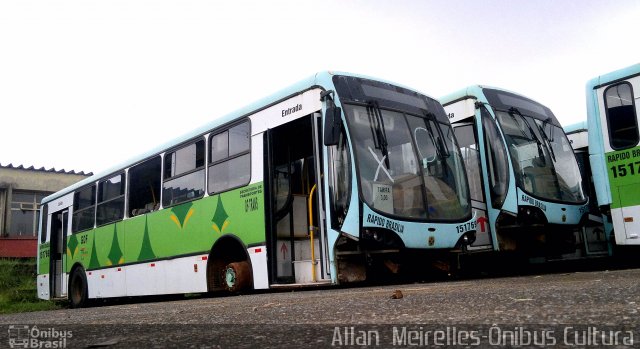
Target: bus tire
[[236, 276], [78, 289]]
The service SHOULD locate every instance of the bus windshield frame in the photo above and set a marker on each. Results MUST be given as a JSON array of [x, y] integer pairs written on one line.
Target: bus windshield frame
[[407, 159], [544, 164]]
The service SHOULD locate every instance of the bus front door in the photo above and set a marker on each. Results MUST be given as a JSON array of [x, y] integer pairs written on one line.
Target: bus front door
[[57, 275], [468, 142], [297, 241]]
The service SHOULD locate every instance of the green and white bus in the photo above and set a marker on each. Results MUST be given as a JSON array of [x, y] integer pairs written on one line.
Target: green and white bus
[[309, 186], [614, 150]]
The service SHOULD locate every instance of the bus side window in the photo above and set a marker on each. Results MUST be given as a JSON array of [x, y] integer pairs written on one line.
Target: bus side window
[[496, 153], [230, 158], [622, 121], [144, 187], [183, 174], [43, 223], [110, 200], [84, 201]]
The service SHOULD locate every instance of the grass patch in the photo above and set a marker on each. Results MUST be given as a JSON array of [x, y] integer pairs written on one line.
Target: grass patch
[[18, 287]]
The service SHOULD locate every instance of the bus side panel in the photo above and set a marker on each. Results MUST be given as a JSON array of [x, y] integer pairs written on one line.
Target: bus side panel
[[108, 282], [184, 275], [596, 145], [43, 286], [43, 260], [43, 270], [179, 275], [258, 256], [190, 229], [106, 250], [623, 175], [146, 278]]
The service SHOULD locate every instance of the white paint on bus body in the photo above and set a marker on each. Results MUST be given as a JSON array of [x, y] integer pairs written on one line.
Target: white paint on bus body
[[257, 159], [461, 110], [179, 275], [281, 113], [579, 140], [258, 256], [43, 286], [171, 276], [60, 203]]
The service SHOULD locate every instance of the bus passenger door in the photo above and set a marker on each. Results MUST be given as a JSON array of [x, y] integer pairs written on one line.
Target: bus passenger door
[[295, 253], [592, 235], [57, 276], [466, 135]]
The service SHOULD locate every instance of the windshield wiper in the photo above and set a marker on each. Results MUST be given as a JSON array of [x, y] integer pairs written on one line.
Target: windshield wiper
[[514, 110], [544, 127], [547, 139], [376, 123], [441, 147]]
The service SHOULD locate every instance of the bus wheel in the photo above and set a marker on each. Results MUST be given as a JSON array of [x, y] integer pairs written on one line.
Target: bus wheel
[[236, 276], [78, 290]]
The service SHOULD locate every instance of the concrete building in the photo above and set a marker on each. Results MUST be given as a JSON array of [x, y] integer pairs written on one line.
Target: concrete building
[[21, 191]]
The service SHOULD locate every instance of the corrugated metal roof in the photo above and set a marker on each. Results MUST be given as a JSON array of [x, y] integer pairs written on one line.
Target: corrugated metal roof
[[42, 169]]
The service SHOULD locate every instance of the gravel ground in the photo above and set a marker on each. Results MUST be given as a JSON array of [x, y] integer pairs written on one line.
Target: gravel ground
[[540, 306]]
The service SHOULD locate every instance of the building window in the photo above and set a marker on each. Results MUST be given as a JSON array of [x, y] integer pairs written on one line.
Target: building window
[[110, 200], [230, 158], [183, 174], [621, 116], [84, 201], [25, 208]]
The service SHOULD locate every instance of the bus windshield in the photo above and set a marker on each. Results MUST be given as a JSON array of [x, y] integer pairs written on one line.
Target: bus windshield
[[407, 158], [542, 157]]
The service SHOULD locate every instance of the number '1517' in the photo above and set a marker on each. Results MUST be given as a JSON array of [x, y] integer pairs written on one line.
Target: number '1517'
[[625, 169]]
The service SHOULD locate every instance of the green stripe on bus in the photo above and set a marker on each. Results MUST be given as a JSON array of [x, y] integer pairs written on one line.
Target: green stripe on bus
[[623, 169], [179, 230]]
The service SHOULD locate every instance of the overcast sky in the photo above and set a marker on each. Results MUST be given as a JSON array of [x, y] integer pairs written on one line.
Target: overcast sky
[[87, 84]]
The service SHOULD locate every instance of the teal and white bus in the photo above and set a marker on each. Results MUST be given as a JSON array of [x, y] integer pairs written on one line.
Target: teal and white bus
[[525, 184], [614, 150], [308, 186]]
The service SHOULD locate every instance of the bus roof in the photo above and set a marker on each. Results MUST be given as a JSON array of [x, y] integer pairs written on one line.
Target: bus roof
[[476, 91], [608, 78], [575, 128], [316, 80], [469, 91]]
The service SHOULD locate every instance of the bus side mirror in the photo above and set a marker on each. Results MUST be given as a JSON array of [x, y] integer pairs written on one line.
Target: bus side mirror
[[332, 126]]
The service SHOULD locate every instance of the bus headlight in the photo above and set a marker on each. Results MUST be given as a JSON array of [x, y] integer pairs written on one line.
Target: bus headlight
[[530, 215]]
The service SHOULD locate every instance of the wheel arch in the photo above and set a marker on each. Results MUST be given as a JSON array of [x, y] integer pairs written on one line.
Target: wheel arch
[[226, 249], [78, 267], [75, 266]]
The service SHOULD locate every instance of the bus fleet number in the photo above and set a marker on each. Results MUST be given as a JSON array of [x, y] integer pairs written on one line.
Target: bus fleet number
[[466, 227], [251, 204], [622, 170]]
